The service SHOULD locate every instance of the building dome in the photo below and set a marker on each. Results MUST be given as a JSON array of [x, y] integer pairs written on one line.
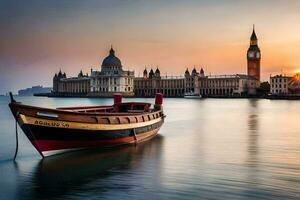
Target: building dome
[[111, 60]]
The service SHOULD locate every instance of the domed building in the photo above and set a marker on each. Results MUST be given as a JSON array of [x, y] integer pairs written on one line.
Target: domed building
[[111, 78]]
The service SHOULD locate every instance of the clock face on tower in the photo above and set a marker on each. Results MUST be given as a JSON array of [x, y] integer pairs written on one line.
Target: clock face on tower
[[251, 54]]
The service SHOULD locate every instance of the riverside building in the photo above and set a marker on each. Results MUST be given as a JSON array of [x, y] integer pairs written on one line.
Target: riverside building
[[149, 84], [285, 85], [112, 78], [279, 84], [194, 83], [73, 86], [228, 85], [220, 85]]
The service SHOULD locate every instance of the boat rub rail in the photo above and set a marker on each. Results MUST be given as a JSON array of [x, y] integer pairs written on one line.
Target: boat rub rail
[[79, 125]]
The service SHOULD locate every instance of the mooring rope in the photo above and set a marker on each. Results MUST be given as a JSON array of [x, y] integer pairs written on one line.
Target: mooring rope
[[17, 139]]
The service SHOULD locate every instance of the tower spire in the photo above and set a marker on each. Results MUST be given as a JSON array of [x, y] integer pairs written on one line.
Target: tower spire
[[112, 51], [253, 35]]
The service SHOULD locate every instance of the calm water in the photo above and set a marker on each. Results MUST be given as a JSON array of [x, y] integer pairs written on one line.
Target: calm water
[[207, 149]]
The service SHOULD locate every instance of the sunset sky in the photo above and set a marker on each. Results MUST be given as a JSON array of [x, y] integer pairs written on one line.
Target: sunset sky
[[37, 38]]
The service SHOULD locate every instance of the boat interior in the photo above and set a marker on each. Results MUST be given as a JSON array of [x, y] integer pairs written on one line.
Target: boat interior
[[128, 107]]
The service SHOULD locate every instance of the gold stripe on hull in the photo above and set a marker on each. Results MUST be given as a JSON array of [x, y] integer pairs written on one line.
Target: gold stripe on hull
[[82, 126]]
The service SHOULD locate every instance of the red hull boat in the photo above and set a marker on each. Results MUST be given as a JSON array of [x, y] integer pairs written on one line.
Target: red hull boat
[[53, 131]]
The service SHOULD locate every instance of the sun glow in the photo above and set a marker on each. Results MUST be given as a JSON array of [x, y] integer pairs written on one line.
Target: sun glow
[[296, 71], [297, 76]]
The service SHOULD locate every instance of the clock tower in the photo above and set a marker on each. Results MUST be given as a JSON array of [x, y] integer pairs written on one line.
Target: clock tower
[[253, 57]]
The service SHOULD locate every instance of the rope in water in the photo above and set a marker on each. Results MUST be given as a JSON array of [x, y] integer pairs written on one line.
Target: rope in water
[[17, 117], [17, 141]]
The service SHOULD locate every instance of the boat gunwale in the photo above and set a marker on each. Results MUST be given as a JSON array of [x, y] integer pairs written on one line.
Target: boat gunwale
[[29, 120], [81, 117], [72, 108], [61, 111]]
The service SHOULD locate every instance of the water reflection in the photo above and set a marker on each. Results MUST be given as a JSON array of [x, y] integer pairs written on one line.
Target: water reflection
[[252, 162], [253, 132], [78, 172]]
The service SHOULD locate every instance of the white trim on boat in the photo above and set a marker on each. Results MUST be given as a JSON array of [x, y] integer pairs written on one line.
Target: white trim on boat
[[83, 126]]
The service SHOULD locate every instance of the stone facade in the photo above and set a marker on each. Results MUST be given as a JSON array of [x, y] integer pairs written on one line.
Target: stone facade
[[195, 83], [192, 81], [112, 78], [77, 86], [285, 85], [228, 85], [279, 84], [149, 84]]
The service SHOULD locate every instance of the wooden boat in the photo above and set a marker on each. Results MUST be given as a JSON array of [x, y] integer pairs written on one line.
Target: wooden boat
[[53, 131]]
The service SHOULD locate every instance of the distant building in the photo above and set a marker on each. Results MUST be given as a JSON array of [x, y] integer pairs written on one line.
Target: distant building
[[285, 85], [228, 85], [34, 90], [192, 81], [280, 84], [149, 84], [195, 83], [220, 85], [112, 78], [73, 86]]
